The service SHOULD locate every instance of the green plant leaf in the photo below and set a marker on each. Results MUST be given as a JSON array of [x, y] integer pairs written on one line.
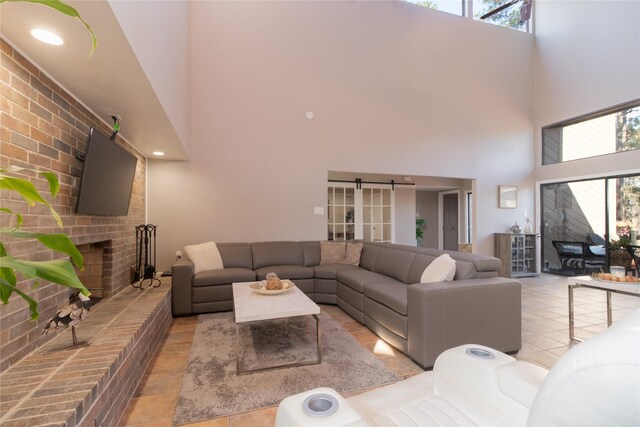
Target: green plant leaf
[[55, 215], [57, 271], [18, 216], [6, 289], [54, 184], [8, 286], [65, 9], [25, 188], [58, 242], [28, 192], [6, 273]]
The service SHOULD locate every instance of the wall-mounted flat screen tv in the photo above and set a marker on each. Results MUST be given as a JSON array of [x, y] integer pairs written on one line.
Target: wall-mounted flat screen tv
[[107, 178]]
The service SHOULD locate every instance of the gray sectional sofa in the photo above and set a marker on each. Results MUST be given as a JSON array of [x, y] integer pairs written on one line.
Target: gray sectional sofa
[[383, 292]]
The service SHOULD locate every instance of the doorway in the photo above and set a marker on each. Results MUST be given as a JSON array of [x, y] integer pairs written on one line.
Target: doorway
[[450, 221], [588, 224]]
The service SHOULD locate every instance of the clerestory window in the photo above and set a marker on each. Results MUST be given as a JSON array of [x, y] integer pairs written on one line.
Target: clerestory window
[[609, 131], [514, 14]]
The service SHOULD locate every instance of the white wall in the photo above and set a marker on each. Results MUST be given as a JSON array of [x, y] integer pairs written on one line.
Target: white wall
[[159, 34], [586, 59], [395, 88]]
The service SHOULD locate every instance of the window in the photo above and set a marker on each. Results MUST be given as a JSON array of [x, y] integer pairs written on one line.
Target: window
[[609, 131], [509, 17], [450, 6]]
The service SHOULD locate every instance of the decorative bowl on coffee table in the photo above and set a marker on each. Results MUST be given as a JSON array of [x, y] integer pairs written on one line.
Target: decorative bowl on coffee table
[[257, 287]]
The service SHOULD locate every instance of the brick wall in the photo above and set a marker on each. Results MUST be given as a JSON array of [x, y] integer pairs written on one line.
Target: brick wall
[[43, 126]]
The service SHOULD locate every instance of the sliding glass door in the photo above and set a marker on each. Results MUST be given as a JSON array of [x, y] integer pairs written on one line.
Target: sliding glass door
[[586, 225]]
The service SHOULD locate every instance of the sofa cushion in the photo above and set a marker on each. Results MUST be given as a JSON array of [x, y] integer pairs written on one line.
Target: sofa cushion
[[391, 294], [236, 255], [480, 263], [442, 269], [286, 272], [332, 252], [329, 271], [276, 253], [357, 278], [354, 251], [223, 277], [465, 270], [420, 262], [311, 253], [394, 263], [205, 256], [369, 255], [382, 320]]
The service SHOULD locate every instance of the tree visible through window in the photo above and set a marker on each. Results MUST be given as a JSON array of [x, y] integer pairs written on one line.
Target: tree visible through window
[[509, 17], [628, 129], [450, 6]]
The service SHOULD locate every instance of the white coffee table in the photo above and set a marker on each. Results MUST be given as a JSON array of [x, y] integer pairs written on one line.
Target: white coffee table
[[249, 306], [603, 285]]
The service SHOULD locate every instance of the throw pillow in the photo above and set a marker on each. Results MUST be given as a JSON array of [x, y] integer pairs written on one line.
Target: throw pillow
[[441, 269], [354, 250], [204, 256], [332, 252]]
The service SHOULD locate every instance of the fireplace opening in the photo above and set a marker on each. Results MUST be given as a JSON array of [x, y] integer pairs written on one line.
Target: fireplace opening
[[93, 276]]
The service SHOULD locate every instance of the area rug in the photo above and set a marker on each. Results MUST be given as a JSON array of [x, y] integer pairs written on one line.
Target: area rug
[[211, 388]]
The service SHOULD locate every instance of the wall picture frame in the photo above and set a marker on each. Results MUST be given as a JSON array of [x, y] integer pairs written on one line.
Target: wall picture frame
[[507, 196]]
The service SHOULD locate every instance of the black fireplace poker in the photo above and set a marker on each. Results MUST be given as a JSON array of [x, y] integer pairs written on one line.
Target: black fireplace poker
[[145, 268]]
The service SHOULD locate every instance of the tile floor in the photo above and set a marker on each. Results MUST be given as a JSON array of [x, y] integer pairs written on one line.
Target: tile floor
[[545, 337]]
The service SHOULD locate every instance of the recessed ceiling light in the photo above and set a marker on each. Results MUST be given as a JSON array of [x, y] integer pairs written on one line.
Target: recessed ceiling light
[[46, 36], [158, 153]]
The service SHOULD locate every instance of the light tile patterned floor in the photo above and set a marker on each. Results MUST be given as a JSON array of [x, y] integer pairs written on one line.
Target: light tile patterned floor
[[545, 337]]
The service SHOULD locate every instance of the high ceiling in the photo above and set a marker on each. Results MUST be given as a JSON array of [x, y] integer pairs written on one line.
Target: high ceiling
[[107, 82]]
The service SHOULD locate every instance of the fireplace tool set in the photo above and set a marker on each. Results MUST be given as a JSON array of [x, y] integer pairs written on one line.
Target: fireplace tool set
[[145, 268]]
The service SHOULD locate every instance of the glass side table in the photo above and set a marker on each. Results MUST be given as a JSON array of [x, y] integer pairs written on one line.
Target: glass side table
[[632, 289]]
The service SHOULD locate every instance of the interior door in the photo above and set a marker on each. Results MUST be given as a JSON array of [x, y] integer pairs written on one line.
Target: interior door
[[377, 214], [450, 222], [341, 212]]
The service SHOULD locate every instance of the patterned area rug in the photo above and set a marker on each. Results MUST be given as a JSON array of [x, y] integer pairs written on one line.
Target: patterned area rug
[[212, 389]]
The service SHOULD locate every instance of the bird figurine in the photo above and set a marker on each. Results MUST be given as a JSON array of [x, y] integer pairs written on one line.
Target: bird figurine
[[71, 315]]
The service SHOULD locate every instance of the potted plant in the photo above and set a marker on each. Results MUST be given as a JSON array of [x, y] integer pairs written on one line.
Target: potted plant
[[618, 253], [60, 271], [420, 224]]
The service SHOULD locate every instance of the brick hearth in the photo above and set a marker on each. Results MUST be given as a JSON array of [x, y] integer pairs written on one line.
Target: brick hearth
[[60, 385]]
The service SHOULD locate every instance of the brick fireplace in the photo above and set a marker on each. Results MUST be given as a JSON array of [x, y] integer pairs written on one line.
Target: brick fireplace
[[42, 126], [97, 267]]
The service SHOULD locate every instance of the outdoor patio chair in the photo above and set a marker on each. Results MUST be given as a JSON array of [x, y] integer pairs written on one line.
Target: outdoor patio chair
[[634, 251], [578, 256]]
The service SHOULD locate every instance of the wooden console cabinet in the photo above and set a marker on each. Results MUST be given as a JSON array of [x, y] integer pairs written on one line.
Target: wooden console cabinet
[[517, 253]]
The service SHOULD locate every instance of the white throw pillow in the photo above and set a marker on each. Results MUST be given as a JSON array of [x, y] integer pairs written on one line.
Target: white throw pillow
[[441, 269], [204, 256]]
